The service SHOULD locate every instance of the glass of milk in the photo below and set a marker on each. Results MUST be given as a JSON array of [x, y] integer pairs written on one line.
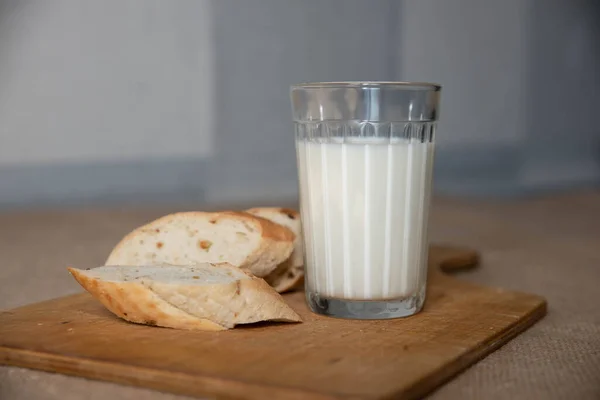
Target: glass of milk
[[365, 158]]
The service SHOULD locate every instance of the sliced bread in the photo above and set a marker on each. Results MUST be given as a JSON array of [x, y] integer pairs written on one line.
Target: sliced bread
[[204, 297], [289, 274], [188, 238]]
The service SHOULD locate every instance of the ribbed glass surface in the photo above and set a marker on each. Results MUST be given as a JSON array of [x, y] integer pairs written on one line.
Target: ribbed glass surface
[[365, 159]]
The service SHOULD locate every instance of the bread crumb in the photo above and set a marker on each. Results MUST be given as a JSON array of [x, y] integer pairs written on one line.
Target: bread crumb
[[157, 230], [159, 245], [195, 277], [204, 244]]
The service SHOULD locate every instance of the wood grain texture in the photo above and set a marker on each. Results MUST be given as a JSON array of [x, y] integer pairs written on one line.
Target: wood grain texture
[[322, 358]]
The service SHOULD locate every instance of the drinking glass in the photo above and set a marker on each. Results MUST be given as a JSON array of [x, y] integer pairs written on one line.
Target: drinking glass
[[365, 157]]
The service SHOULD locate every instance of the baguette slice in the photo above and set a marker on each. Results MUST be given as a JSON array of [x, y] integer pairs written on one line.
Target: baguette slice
[[189, 238], [204, 297], [289, 274]]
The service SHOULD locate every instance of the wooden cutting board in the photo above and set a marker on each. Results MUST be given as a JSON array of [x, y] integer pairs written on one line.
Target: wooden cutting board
[[322, 358]]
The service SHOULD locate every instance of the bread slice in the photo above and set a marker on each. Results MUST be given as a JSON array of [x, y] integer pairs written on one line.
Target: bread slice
[[189, 238], [204, 297], [289, 274]]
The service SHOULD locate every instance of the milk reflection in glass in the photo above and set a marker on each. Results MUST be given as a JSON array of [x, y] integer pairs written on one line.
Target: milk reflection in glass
[[365, 204]]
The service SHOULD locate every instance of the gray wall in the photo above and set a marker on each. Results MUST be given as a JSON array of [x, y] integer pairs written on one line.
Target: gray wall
[[167, 88], [104, 100], [262, 47], [521, 82], [113, 101], [562, 145], [105, 80]]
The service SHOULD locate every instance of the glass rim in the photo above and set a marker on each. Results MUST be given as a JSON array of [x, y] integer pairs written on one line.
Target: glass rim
[[401, 85]]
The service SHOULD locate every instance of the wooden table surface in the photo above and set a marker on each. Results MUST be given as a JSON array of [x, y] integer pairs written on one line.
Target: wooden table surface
[[549, 246]]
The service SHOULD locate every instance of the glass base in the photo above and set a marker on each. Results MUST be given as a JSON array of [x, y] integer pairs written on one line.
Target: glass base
[[365, 309]]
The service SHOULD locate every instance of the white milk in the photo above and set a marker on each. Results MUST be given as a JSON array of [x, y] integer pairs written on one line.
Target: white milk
[[364, 212]]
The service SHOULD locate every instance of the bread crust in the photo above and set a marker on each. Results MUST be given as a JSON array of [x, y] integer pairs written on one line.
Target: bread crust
[[133, 302], [289, 275], [275, 246], [211, 307]]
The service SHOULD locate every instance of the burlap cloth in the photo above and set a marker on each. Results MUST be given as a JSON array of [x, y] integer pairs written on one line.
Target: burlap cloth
[[548, 246]]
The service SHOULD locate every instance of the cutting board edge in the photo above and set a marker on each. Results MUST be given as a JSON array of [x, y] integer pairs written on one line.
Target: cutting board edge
[[104, 371], [469, 360]]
